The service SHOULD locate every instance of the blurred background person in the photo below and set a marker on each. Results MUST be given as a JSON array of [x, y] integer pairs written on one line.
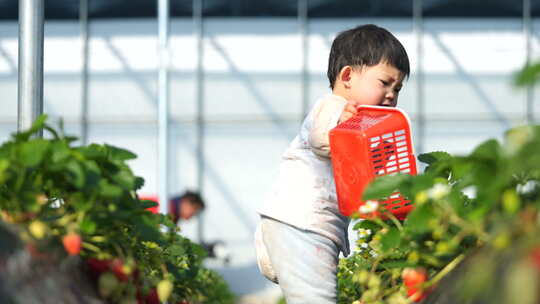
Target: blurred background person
[[185, 206]]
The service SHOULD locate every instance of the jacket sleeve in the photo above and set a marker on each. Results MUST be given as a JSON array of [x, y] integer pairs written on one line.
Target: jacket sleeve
[[325, 118]]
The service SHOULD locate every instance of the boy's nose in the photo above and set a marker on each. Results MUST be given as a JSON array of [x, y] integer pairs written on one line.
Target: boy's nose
[[390, 99]]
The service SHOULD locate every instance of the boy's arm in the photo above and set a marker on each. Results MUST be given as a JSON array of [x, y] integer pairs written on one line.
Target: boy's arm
[[325, 118]]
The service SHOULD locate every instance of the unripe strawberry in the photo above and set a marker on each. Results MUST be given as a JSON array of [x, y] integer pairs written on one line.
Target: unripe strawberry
[[41, 199], [72, 243], [38, 229], [107, 283], [164, 289]]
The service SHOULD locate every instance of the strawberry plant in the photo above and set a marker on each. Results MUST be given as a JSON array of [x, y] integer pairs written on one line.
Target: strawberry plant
[[81, 201], [482, 204]]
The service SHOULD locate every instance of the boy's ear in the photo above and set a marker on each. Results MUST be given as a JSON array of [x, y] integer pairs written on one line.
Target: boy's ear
[[345, 76]]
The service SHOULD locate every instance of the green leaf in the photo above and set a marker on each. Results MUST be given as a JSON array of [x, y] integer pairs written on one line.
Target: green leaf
[[4, 164], [433, 157], [418, 220], [109, 190], [120, 154], [93, 173], [145, 204], [384, 186], [32, 152], [80, 203], [146, 229], [176, 250], [93, 151], [60, 151], [139, 183], [125, 179], [416, 184], [52, 131], [528, 75], [396, 264], [88, 226], [77, 173], [490, 149], [366, 224], [37, 125], [391, 239]]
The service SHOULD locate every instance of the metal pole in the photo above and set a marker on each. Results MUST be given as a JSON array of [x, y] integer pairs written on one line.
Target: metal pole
[[83, 17], [527, 28], [303, 25], [163, 104], [30, 93], [418, 26], [199, 35]]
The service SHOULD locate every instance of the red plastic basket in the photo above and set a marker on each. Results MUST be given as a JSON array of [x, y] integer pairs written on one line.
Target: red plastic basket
[[375, 142]]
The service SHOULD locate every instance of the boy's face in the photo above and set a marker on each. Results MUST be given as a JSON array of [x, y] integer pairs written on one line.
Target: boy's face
[[188, 209], [377, 85]]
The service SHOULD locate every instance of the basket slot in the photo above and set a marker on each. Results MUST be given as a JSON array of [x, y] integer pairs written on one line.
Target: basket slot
[[402, 149], [401, 143], [405, 165], [397, 133], [391, 169]]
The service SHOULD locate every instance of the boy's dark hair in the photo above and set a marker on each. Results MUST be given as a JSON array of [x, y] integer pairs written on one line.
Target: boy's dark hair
[[366, 45], [190, 196], [194, 198]]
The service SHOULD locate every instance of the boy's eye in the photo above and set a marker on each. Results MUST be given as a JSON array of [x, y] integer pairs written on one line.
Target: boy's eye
[[384, 82]]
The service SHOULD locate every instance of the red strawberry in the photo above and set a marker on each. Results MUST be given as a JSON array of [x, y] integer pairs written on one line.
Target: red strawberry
[[413, 278], [72, 243], [96, 267], [107, 283], [152, 297], [535, 257]]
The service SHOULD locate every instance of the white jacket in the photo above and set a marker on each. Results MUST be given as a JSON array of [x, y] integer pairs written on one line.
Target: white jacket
[[304, 194]]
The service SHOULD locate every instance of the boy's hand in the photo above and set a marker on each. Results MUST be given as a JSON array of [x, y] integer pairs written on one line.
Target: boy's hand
[[348, 112]]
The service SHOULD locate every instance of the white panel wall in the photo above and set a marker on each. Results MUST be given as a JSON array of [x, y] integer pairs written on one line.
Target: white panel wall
[[252, 100]]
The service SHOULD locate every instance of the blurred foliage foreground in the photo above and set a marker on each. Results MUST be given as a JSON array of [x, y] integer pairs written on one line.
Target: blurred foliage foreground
[[473, 237], [478, 213], [77, 208]]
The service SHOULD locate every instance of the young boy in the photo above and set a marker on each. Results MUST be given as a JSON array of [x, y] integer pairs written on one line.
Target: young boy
[[301, 231]]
